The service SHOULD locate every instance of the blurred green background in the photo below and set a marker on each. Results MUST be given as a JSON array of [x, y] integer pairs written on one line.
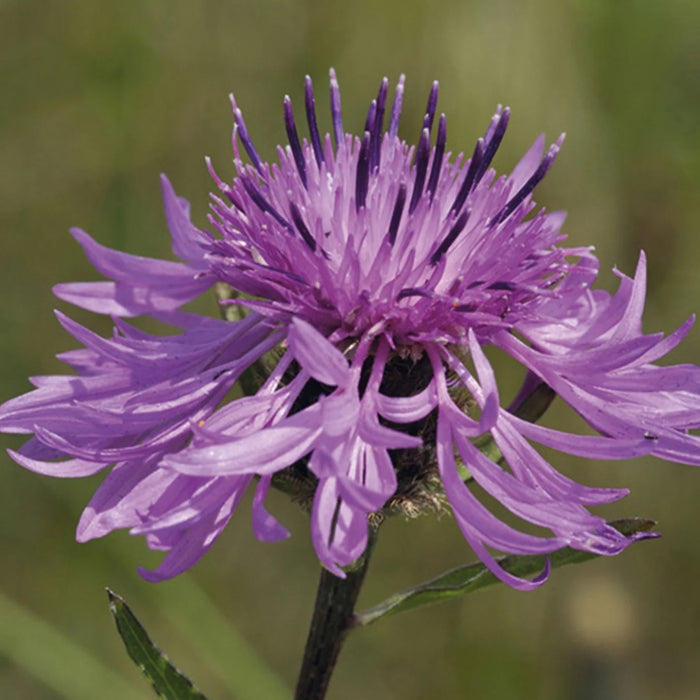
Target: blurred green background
[[98, 98]]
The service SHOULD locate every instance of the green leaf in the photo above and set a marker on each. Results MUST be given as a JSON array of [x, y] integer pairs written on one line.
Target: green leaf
[[167, 680], [467, 579]]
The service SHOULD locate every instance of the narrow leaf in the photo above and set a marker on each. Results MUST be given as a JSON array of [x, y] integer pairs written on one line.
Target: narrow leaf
[[167, 681], [467, 579]]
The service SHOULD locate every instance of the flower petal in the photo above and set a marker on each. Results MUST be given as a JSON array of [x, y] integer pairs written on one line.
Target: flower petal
[[263, 452], [323, 361]]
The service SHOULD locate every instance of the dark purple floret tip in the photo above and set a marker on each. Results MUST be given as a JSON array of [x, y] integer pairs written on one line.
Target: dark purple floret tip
[[362, 178], [470, 177], [244, 136], [493, 139], [293, 136], [431, 106], [397, 212], [302, 228], [422, 158], [310, 106], [438, 155], [450, 238], [378, 125], [532, 182]]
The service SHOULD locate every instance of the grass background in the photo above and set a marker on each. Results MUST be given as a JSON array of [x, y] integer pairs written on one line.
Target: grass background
[[98, 98]]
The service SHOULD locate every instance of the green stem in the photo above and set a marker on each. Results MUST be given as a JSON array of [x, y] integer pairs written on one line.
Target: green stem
[[332, 618]]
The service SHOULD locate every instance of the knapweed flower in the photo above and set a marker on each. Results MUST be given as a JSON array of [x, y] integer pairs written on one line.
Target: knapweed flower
[[361, 279]]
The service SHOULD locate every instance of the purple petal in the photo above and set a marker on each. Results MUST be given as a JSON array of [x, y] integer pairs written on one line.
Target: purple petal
[[263, 452], [339, 412], [475, 520], [530, 467], [490, 401], [323, 361], [193, 544], [128, 490], [70, 468], [265, 526], [407, 409], [142, 285], [591, 446], [339, 532], [184, 234]]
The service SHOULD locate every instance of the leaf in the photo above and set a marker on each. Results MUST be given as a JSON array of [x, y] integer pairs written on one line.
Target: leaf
[[167, 681], [467, 579]]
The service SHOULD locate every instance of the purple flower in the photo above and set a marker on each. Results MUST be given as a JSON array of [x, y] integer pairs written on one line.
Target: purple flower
[[364, 278]]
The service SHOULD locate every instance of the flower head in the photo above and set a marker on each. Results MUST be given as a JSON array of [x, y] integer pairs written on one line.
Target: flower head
[[360, 279]]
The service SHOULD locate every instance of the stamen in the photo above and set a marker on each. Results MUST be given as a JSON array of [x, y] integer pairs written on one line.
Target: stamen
[[223, 186], [431, 106], [437, 156], [302, 227], [451, 236], [396, 215], [469, 178], [467, 308], [396, 109], [422, 157], [502, 286], [310, 105], [371, 115], [263, 204], [378, 125], [362, 179], [413, 292], [293, 137], [245, 137], [494, 142], [336, 115], [234, 145], [532, 182]]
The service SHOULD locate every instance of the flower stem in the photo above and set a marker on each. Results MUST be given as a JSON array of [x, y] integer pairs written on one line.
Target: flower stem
[[332, 617]]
